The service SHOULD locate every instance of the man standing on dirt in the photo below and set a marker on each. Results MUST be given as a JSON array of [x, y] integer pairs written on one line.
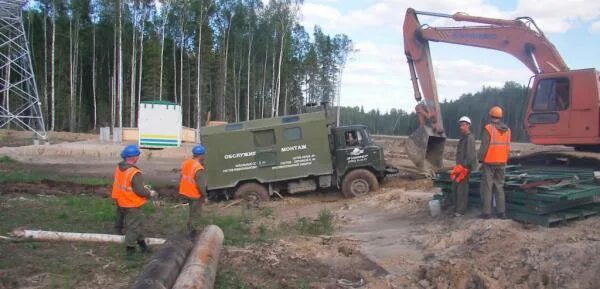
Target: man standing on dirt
[[192, 186], [466, 162], [495, 147], [130, 194]]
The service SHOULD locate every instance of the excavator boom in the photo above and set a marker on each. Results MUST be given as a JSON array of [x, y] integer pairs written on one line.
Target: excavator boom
[[520, 38]]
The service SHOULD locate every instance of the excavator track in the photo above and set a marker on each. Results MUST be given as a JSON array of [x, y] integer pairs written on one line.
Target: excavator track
[[559, 159]]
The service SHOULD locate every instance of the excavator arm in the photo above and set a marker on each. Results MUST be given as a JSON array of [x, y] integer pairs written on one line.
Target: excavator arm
[[520, 38]]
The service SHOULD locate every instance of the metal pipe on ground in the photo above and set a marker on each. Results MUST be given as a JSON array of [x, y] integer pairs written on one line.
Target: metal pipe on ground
[[200, 268], [76, 237], [164, 265]]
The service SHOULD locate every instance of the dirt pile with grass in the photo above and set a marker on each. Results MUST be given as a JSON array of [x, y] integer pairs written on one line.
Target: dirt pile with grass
[[420, 251]]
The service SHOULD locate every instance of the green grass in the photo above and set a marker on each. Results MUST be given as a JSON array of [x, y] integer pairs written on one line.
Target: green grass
[[71, 264], [20, 176], [7, 160], [229, 280], [323, 225], [24, 176]]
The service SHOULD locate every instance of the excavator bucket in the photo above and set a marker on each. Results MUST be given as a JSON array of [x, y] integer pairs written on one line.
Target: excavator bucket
[[425, 148]]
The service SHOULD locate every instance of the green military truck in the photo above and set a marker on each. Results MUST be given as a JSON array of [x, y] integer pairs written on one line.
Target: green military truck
[[292, 154]]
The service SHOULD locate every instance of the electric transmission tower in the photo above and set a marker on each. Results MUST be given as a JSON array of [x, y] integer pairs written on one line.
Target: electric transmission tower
[[19, 100]]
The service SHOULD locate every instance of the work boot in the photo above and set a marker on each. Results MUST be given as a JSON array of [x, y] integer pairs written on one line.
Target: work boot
[[502, 216], [193, 234], [484, 216], [130, 250], [143, 246]]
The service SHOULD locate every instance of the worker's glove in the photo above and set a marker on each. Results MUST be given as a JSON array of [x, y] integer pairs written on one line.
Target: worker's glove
[[153, 194], [461, 175]]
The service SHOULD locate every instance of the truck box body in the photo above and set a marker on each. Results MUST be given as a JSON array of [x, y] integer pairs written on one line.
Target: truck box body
[[268, 150]]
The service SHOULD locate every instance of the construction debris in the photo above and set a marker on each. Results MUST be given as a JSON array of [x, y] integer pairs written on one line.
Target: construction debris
[[164, 265], [76, 237], [200, 268], [540, 196]]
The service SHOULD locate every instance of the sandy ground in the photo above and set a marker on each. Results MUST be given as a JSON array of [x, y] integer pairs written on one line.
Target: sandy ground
[[386, 239]]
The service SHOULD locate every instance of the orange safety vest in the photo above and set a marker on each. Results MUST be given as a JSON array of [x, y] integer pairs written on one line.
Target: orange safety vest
[[499, 146], [122, 190], [187, 182]]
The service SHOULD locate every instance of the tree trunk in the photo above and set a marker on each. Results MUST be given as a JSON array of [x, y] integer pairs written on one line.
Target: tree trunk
[[248, 79], [181, 52], [46, 62], [120, 69], [224, 99], [141, 69], [199, 74], [175, 70], [272, 93], [162, 49], [278, 90], [94, 101], [52, 67], [264, 82], [235, 97], [132, 92]]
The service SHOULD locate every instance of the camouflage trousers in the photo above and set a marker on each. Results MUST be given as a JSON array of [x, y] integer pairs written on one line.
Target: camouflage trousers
[[460, 196], [492, 181], [133, 220]]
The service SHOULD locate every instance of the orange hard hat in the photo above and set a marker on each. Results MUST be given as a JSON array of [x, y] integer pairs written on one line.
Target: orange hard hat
[[496, 111]]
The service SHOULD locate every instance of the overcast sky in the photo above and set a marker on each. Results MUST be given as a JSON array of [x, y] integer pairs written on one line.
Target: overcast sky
[[377, 75]]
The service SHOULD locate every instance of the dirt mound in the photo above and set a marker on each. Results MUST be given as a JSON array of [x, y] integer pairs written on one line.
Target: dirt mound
[[302, 262]]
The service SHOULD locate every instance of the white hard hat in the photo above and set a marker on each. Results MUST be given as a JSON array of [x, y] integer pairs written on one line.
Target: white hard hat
[[465, 119]]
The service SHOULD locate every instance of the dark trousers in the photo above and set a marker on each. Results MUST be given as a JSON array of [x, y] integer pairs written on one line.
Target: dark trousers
[[460, 195], [120, 220], [194, 221], [492, 181]]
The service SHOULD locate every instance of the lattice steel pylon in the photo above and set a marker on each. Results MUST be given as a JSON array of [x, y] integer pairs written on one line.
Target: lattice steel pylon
[[19, 100]]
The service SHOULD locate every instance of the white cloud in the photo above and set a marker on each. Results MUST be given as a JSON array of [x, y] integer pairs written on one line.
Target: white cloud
[[378, 77], [558, 15], [595, 27]]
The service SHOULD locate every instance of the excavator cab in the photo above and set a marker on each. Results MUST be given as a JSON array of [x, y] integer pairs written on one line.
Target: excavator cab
[[564, 109]]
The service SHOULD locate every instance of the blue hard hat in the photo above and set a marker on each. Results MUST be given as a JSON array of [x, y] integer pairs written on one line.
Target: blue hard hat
[[198, 150], [130, 151]]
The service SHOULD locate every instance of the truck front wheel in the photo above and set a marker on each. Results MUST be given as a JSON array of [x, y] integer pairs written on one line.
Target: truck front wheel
[[252, 192], [359, 182]]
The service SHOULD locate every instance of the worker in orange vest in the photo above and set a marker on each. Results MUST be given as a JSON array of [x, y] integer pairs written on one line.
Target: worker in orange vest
[[495, 147], [192, 186], [130, 194]]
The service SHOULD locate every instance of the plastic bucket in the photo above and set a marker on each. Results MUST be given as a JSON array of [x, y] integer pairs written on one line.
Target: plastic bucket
[[434, 208]]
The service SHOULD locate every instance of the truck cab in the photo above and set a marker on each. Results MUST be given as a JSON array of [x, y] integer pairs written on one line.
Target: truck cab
[[358, 162]]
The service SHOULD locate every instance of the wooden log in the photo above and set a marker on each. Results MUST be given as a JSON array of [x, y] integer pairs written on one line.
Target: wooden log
[[164, 265], [200, 269], [76, 237]]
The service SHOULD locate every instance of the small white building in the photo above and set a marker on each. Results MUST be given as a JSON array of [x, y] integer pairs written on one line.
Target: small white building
[[159, 124]]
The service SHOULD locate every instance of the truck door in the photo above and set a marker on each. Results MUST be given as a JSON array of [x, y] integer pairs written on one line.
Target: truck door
[[351, 149]]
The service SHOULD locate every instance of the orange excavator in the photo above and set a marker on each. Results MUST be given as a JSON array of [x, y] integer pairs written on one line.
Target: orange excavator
[[563, 104]]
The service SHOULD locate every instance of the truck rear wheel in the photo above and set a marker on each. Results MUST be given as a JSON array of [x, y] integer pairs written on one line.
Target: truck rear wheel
[[359, 183], [252, 192]]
